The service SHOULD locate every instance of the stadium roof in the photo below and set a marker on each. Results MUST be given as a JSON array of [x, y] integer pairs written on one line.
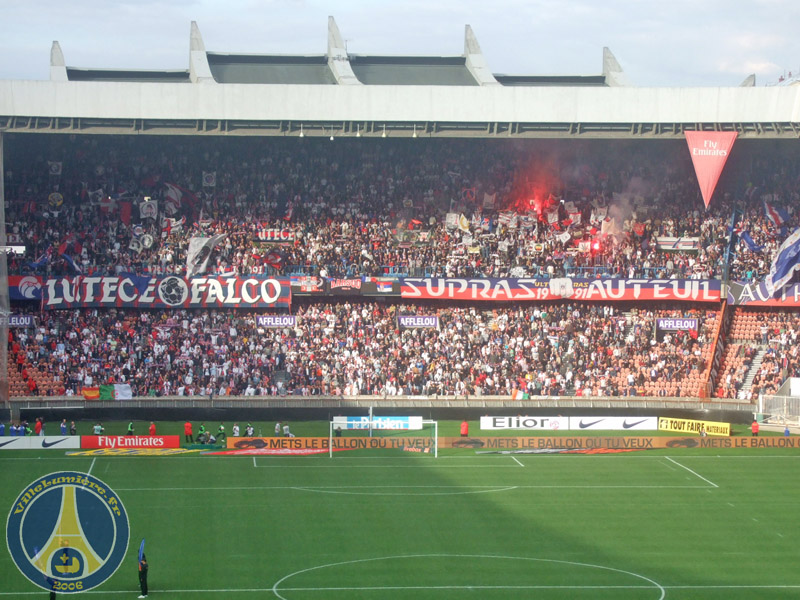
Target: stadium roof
[[339, 94]]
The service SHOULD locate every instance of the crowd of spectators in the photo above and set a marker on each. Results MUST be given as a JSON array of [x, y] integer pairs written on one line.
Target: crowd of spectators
[[357, 348], [774, 334], [372, 207]]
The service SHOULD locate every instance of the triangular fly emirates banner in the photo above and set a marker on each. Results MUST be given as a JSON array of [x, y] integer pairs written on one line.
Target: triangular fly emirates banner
[[709, 150]]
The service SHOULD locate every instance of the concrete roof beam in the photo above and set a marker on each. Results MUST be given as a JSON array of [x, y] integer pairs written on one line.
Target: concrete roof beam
[[475, 61], [199, 69], [58, 68], [612, 70], [338, 59]]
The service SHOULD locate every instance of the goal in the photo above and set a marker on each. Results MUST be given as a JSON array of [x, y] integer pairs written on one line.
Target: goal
[[390, 435]]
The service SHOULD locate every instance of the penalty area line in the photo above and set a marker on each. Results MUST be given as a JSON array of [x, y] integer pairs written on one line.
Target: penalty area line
[[695, 473]]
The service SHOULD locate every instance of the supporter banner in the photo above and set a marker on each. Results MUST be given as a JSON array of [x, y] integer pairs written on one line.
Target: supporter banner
[[414, 321], [25, 287], [275, 235], [307, 285], [677, 324], [686, 244], [21, 321], [380, 286], [756, 294], [709, 151], [130, 441], [378, 422], [276, 321], [344, 287], [614, 423], [529, 423], [690, 426], [40, 442], [131, 291], [494, 290]]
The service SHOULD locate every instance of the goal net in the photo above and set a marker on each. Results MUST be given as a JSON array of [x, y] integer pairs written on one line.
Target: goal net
[[389, 435]]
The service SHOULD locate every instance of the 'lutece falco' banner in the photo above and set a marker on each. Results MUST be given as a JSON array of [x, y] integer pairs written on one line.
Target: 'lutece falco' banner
[[131, 291], [521, 290]]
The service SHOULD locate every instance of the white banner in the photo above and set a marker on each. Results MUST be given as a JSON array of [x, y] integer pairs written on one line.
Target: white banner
[[40, 442], [527, 423], [614, 423]]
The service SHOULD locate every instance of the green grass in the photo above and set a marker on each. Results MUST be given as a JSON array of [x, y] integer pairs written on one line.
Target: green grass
[[678, 524]]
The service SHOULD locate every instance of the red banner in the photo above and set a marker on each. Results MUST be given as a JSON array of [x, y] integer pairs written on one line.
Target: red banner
[[130, 441], [709, 150]]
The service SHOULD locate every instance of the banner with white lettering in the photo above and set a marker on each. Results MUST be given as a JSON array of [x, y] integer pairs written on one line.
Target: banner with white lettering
[[756, 294], [709, 151], [130, 441], [677, 324], [417, 321], [272, 321], [520, 290], [132, 291]]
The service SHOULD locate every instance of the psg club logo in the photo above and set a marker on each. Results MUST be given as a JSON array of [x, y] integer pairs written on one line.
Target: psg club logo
[[67, 532]]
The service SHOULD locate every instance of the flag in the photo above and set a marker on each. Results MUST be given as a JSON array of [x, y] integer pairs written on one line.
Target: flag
[[40, 262], [786, 262], [117, 391], [274, 259], [745, 236], [709, 151], [72, 263], [148, 209], [518, 394], [199, 252], [384, 287], [776, 215], [463, 223], [54, 167], [209, 179], [91, 393], [141, 550], [176, 197]]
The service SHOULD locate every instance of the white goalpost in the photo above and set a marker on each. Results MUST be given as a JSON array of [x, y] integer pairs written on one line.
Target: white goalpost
[[403, 434]]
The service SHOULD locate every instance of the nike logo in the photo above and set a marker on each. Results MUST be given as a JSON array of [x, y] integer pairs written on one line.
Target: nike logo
[[46, 444], [7, 443], [626, 425], [583, 425]]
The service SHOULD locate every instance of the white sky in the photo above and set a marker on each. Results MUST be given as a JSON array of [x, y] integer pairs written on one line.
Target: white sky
[[658, 43]]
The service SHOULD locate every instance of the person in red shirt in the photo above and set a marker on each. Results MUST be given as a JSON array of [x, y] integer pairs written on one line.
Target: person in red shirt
[[187, 433], [464, 428], [754, 428], [152, 428], [37, 428]]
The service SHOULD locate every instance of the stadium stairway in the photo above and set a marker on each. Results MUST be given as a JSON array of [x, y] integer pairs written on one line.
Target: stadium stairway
[[754, 367]]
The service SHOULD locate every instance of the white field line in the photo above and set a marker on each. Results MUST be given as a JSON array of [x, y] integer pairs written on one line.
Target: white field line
[[696, 474]]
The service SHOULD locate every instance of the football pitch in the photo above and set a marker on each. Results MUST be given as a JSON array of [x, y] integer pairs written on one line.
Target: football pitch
[[677, 524]]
